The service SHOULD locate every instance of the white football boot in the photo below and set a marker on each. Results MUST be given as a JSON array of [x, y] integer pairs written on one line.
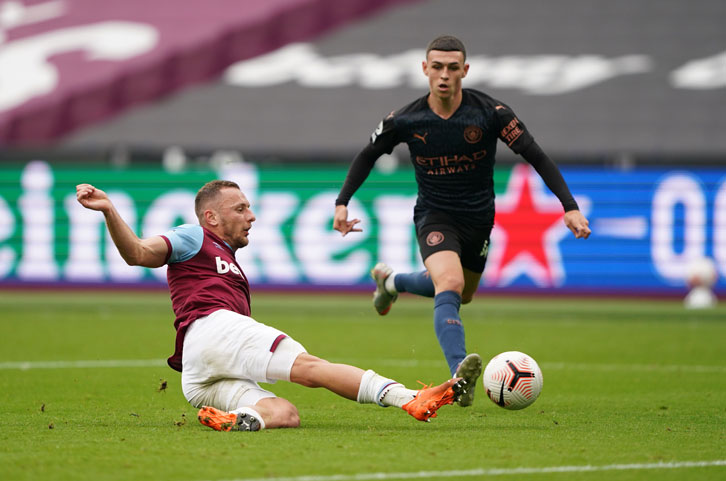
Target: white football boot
[[382, 299]]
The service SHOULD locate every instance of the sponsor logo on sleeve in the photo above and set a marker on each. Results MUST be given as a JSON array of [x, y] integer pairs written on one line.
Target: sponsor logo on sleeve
[[512, 132]]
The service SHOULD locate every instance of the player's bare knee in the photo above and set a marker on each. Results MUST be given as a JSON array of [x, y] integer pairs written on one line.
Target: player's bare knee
[[278, 413], [450, 283], [288, 417], [292, 418]]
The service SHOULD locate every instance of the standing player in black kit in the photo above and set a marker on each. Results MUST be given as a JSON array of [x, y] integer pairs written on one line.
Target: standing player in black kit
[[452, 137]]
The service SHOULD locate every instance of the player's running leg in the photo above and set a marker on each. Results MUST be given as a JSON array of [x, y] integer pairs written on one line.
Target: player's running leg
[[382, 298], [418, 283], [448, 277], [389, 284], [449, 328]]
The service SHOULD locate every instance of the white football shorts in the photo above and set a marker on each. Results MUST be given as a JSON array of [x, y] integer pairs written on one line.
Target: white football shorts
[[225, 356]]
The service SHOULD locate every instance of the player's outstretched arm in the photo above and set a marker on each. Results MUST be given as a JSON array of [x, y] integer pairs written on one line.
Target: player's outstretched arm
[[149, 252], [578, 224], [341, 222], [552, 177], [357, 174]]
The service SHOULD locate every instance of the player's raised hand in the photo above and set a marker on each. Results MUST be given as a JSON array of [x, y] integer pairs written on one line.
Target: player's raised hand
[[92, 198], [578, 224], [341, 222]]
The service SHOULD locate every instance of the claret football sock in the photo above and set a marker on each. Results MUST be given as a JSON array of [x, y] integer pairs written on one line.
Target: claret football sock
[[449, 328], [418, 283]]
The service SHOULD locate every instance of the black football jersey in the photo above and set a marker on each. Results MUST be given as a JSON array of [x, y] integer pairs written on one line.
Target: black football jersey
[[454, 158]]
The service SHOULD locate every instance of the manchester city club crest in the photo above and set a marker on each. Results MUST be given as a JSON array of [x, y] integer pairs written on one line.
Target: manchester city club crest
[[473, 134], [434, 238]]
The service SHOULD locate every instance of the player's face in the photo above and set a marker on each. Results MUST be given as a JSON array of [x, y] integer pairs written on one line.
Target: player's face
[[445, 71], [235, 217]]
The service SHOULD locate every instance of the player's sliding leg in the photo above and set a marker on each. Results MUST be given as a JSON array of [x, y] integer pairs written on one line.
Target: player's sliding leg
[[421, 404], [341, 379], [241, 405], [349, 382], [429, 399], [268, 412], [369, 387], [243, 419], [236, 402]]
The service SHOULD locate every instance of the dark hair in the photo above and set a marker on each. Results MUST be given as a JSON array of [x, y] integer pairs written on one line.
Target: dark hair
[[209, 191], [446, 43]]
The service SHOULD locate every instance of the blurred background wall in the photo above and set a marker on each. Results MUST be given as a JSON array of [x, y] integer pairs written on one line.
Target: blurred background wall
[[148, 103]]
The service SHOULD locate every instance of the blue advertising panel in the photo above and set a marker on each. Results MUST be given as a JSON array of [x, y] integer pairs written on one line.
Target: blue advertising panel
[[649, 226]]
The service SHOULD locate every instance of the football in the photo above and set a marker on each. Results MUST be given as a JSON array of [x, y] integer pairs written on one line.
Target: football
[[513, 380]]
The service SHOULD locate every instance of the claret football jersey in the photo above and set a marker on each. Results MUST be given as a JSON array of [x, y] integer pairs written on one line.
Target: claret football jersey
[[203, 277]]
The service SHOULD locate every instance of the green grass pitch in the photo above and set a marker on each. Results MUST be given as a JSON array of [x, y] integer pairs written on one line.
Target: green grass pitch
[[633, 389]]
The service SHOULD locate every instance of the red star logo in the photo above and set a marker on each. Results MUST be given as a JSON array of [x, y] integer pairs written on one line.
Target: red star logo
[[528, 225]]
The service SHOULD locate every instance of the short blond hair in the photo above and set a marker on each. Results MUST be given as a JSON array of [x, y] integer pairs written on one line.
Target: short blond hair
[[209, 192]]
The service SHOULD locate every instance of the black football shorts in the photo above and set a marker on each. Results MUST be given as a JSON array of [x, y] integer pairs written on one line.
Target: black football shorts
[[438, 231]]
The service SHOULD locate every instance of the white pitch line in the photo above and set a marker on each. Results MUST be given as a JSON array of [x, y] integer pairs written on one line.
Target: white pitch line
[[554, 366], [563, 366], [93, 364], [401, 363], [495, 472]]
